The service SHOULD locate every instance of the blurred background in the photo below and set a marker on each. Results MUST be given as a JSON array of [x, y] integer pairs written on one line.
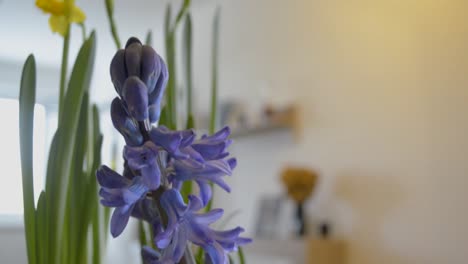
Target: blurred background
[[372, 96]]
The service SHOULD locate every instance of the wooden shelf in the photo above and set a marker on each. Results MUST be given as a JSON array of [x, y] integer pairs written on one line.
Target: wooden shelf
[[255, 131], [276, 121]]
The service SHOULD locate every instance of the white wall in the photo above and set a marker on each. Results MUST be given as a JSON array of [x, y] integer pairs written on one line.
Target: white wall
[[383, 88]]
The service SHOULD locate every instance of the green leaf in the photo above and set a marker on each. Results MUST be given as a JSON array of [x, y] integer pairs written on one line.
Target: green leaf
[[231, 260], [41, 213], [52, 168], [214, 86], [57, 180], [214, 72], [183, 9], [187, 42], [167, 20], [168, 39], [78, 227], [100, 219], [199, 257], [149, 38], [186, 189], [142, 234], [27, 99], [163, 120], [110, 16], [240, 252]]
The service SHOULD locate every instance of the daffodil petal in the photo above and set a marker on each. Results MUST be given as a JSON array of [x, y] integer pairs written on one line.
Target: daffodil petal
[[77, 16], [58, 24]]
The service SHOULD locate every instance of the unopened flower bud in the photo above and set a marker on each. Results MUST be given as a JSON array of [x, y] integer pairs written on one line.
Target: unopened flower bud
[[124, 124], [117, 70]]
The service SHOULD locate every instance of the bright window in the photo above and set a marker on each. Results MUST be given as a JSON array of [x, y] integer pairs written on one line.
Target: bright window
[[11, 195]]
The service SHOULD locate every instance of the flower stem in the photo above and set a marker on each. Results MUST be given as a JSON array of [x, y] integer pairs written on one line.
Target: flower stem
[[83, 31], [110, 15], [188, 256], [63, 70]]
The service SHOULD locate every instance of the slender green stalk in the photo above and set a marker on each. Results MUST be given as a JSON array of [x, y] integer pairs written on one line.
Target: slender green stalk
[[182, 11], [241, 255], [83, 31], [214, 72], [214, 87], [188, 62], [63, 70], [149, 38], [110, 15]]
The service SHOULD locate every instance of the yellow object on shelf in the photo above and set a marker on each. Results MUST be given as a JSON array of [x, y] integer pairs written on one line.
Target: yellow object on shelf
[[299, 182]]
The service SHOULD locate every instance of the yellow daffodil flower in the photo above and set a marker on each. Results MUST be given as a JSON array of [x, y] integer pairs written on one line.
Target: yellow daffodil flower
[[61, 16]]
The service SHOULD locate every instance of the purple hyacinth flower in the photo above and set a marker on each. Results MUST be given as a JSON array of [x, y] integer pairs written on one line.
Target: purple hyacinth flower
[[121, 193], [146, 209], [151, 256], [213, 147], [124, 124], [172, 141], [135, 95], [211, 171], [144, 159], [186, 224]]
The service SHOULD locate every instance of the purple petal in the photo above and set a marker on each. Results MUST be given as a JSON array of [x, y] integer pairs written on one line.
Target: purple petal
[[163, 239], [216, 253], [151, 176], [211, 150], [110, 179], [154, 111], [135, 191], [155, 96], [150, 67], [133, 57], [169, 140], [120, 219], [222, 166], [111, 197], [180, 242], [232, 163], [205, 191], [172, 201], [124, 124], [135, 94], [139, 157], [117, 70], [221, 135], [209, 217], [243, 241], [194, 203], [132, 40], [149, 255]]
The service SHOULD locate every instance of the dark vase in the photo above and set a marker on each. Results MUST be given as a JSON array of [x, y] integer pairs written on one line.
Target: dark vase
[[300, 220]]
